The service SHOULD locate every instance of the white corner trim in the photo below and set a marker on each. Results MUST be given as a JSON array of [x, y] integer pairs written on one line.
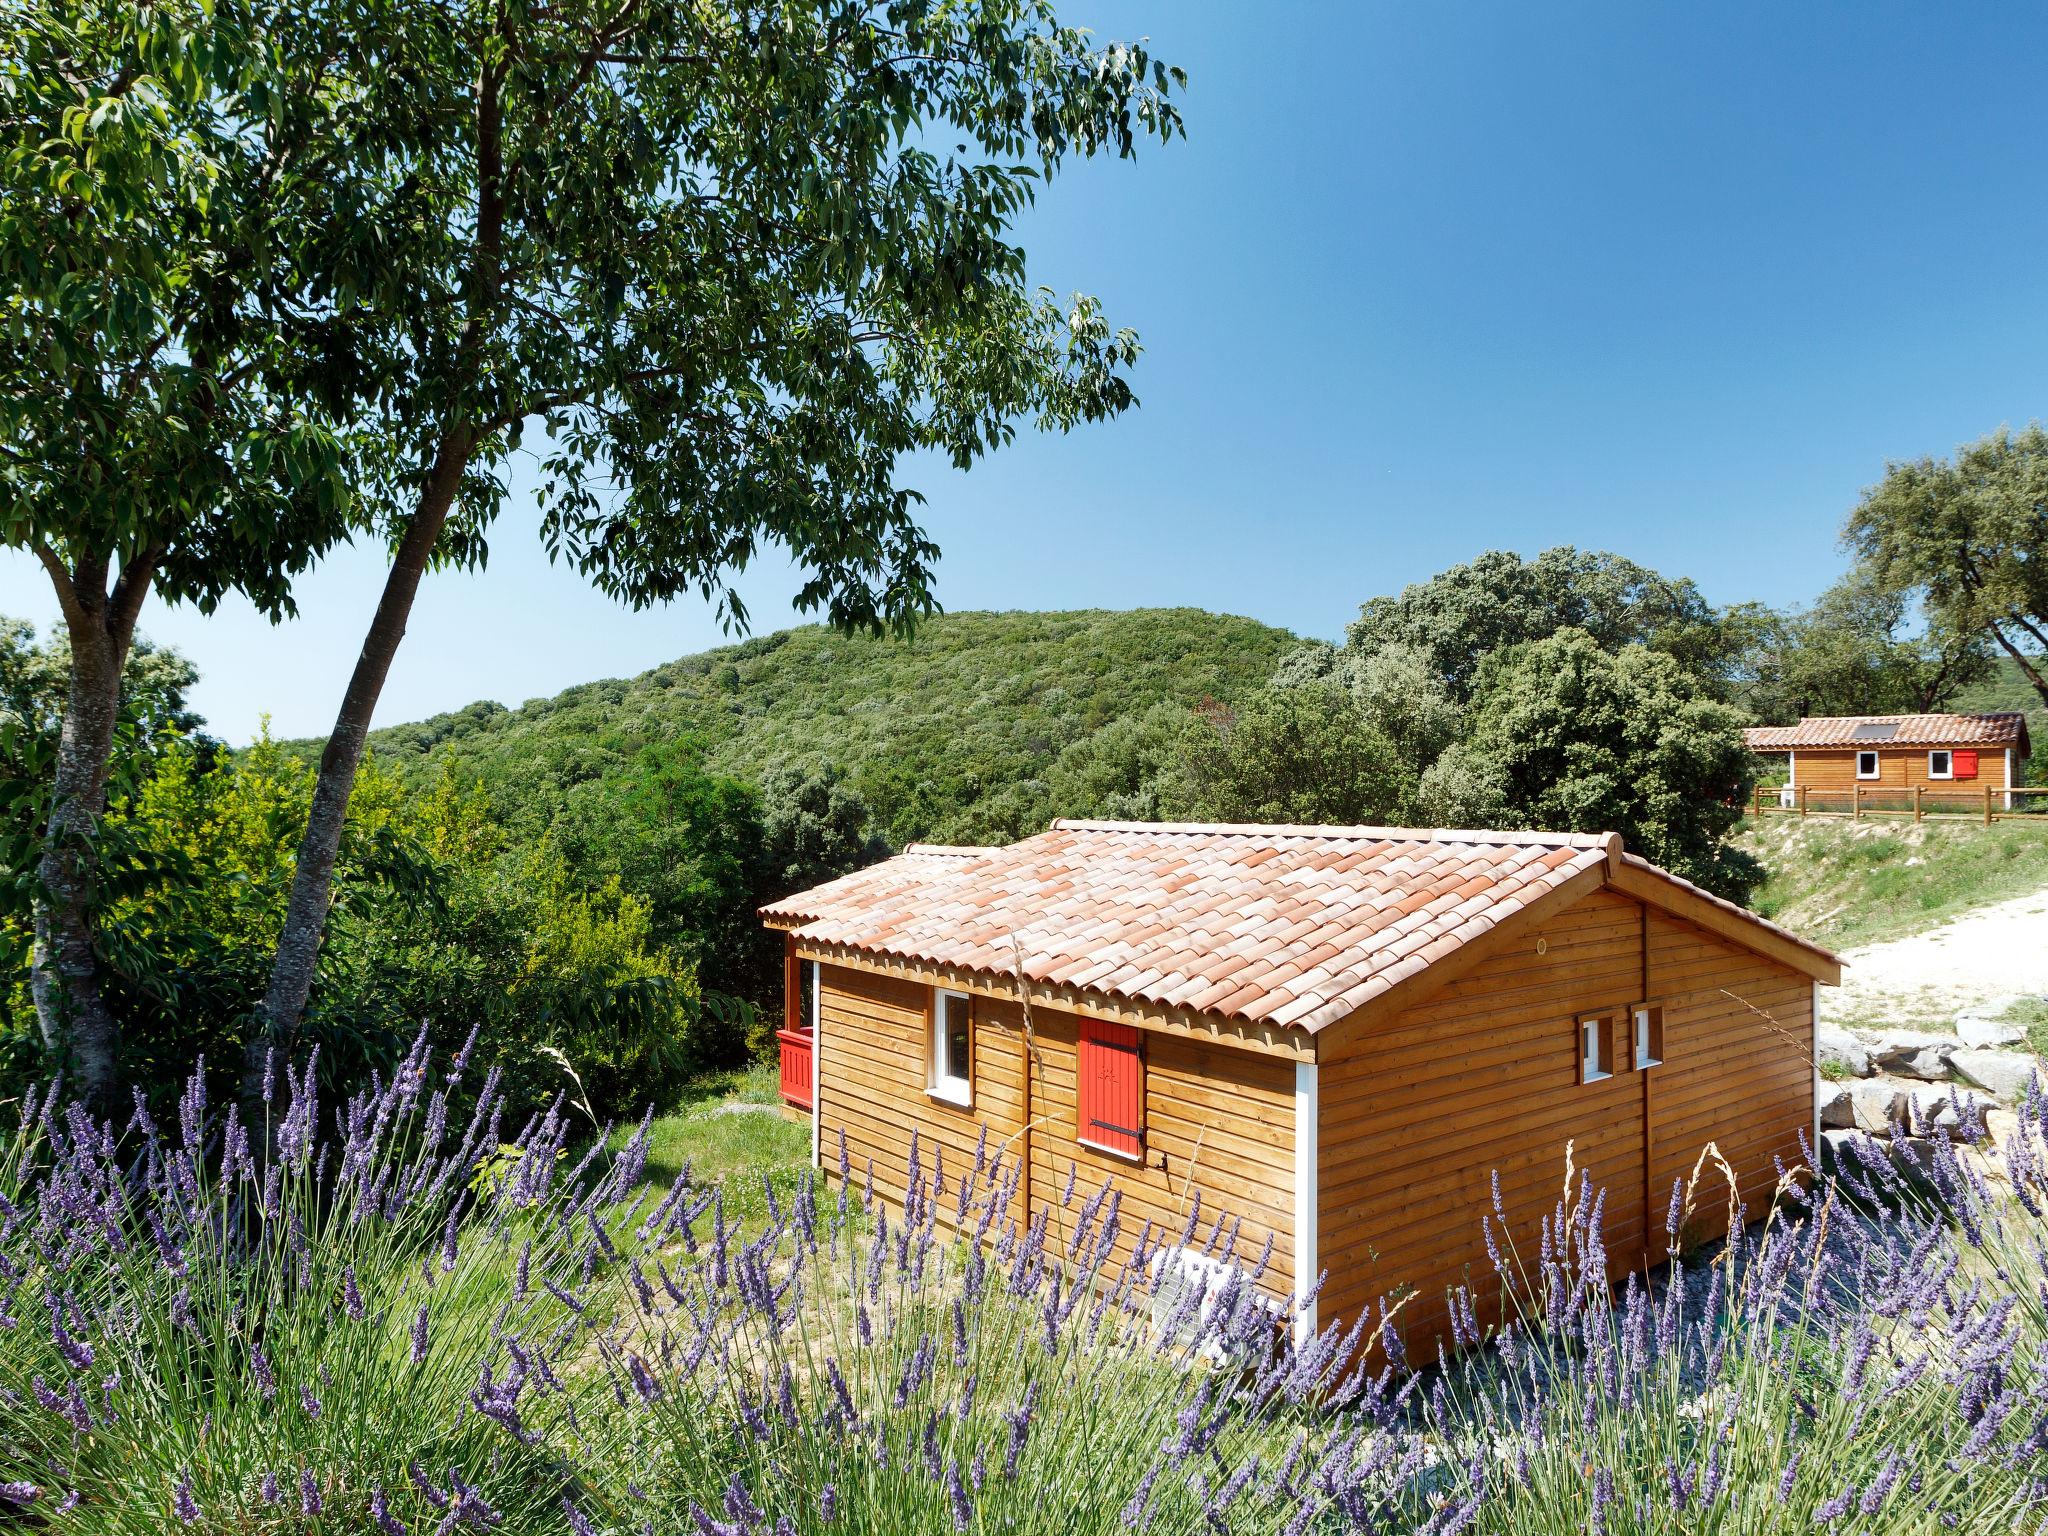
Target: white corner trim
[[817, 1063], [2008, 778], [1813, 1043], [1307, 1113], [1791, 770]]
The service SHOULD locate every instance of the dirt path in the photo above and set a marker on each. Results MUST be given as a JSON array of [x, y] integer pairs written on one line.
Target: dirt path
[[1925, 980]]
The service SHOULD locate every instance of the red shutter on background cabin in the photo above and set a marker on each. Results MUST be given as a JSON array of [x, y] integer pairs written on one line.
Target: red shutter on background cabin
[[1112, 1088], [1963, 764]]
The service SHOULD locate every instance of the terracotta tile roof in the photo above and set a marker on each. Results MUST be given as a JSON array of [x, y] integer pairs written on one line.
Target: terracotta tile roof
[[917, 866], [1292, 926], [1863, 731]]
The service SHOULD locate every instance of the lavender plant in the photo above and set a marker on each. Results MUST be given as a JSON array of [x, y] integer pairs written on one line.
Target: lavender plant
[[396, 1327], [950, 1368], [1872, 1357], [211, 1328]]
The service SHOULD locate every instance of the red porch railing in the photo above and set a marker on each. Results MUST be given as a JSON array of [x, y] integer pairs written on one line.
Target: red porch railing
[[795, 1054]]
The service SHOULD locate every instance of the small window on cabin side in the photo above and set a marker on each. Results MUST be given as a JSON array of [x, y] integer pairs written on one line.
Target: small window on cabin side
[[1649, 1035], [1596, 1049], [1940, 765], [1866, 765], [1110, 1097], [807, 995], [952, 1074]]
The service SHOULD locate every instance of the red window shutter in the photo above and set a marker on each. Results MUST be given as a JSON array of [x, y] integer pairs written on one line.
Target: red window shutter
[[1963, 764], [1111, 1088]]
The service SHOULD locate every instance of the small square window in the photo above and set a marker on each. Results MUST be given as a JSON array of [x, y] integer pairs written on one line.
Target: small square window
[[1866, 765], [1649, 1036], [1940, 765], [952, 1074], [1596, 1048]]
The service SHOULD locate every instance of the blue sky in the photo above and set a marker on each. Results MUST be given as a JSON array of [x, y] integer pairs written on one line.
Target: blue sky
[[1674, 280]]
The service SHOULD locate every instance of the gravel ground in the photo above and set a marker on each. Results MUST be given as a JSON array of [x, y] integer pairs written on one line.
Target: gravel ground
[[1925, 980]]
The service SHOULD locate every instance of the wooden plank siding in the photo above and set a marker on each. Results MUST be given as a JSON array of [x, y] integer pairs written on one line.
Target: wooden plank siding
[[1220, 1118], [1832, 771], [1222, 1121], [1418, 1115], [873, 1074], [1738, 1071]]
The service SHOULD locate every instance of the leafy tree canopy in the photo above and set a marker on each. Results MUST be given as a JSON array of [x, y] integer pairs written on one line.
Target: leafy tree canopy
[[1566, 735], [1969, 536], [1306, 755], [1861, 649], [1460, 616]]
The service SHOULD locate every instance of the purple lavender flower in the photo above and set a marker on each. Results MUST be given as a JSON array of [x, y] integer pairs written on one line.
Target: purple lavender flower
[[419, 1334], [309, 1492], [1020, 1429], [183, 1505], [643, 1380], [1791, 1476], [351, 1297], [1836, 1507], [740, 1506], [309, 1402], [20, 1493], [579, 1524], [268, 1491], [828, 1505], [259, 1367], [1881, 1486], [956, 1494], [1137, 1511], [380, 1512]]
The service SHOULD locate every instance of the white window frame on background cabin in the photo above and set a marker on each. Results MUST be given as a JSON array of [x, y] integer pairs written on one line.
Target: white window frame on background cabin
[[1876, 765], [946, 1086], [1596, 1048], [1947, 770]]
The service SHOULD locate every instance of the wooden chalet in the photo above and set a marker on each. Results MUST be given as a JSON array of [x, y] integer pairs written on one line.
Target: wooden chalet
[[1339, 1035], [1957, 756]]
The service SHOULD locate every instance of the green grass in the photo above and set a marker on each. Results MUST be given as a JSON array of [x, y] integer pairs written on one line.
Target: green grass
[[1847, 883], [2033, 1013], [730, 1145]]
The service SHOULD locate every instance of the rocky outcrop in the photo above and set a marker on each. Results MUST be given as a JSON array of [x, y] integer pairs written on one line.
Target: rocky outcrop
[[1915, 1053], [1843, 1050], [2004, 1074]]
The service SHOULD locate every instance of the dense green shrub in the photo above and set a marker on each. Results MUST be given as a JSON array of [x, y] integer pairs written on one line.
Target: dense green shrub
[[1566, 736], [441, 919]]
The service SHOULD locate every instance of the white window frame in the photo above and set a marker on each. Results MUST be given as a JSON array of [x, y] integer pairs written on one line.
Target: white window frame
[[1876, 765], [941, 1084], [1639, 1018], [1948, 766], [1592, 1043]]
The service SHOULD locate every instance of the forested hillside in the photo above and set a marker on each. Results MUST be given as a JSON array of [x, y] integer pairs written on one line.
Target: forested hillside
[[2007, 688], [950, 735]]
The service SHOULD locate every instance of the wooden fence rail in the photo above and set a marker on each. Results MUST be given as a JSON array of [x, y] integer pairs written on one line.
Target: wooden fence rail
[[1918, 801]]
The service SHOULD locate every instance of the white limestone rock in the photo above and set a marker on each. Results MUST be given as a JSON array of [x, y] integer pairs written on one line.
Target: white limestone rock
[[1844, 1050], [1915, 1053], [1837, 1107], [2003, 1073]]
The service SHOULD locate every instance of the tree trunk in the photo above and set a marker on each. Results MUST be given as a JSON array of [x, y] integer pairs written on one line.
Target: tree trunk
[[68, 957], [305, 921], [64, 981]]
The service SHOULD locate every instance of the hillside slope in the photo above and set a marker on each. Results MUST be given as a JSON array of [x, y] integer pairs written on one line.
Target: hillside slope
[[944, 734], [1848, 883]]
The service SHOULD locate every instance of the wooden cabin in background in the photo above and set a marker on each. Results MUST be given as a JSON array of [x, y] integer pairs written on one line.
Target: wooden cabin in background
[[1889, 756], [1337, 1034]]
